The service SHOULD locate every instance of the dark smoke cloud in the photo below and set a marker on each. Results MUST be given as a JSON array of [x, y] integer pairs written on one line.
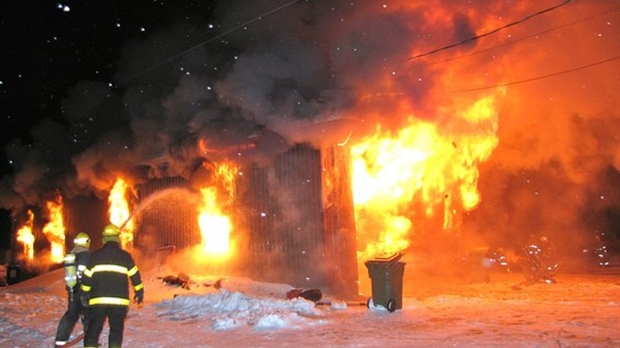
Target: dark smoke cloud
[[322, 71], [278, 81]]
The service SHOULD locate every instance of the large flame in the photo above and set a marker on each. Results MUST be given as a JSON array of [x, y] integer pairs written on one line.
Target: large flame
[[215, 226], [119, 212], [418, 172], [55, 229], [26, 237]]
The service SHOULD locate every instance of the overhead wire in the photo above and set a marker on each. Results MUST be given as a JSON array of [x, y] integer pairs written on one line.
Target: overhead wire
[[254, 19], [285, 5], [477, 37], [428, 53], [257, 18], [534, 78], [514, 41]]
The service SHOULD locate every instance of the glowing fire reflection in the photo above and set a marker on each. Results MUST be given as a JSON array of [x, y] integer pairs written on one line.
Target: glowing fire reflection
[[25, 236], [120, 213], [55, 229]]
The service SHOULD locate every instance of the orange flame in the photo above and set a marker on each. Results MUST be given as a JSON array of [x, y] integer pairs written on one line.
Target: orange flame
[[120, 213], [418, 171], [55, 229], [215, 226], [25, 236], [225, 174], [206, 150]]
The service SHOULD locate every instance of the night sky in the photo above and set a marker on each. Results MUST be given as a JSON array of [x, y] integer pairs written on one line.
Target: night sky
[[90, 88], [51, 46], [48, 47]]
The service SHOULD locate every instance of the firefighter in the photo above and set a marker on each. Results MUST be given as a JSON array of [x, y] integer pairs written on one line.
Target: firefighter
[[105, 289], [75, 264]]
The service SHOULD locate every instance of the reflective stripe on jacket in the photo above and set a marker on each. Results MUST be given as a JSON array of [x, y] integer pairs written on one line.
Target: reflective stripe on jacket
[[106, 278]]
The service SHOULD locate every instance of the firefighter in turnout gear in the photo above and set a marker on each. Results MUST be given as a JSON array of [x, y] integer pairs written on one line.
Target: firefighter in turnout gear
[[105, 289], [75, 265]]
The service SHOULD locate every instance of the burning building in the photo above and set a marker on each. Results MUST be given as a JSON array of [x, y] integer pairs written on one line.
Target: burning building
[[278, 222], [312, 141], [311, 215], [291, 221]]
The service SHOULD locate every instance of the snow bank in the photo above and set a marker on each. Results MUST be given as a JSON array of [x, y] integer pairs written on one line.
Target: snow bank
[[230, 309]]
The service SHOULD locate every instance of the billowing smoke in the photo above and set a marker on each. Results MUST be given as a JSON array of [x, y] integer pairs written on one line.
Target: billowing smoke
[[251, 83]]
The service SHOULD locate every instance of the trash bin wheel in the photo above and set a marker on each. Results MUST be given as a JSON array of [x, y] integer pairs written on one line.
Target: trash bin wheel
[[391, 305], [370, 303]]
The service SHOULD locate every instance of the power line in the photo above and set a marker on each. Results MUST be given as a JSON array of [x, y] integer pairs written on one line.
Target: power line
[[257, 18], [514, 41], [473, 38], [533, 78]]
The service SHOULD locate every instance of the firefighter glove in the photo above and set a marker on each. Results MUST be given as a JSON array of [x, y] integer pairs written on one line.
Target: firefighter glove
[[139, 296]]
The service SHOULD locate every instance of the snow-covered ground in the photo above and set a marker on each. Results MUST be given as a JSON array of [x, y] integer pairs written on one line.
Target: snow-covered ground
[[577, 311]]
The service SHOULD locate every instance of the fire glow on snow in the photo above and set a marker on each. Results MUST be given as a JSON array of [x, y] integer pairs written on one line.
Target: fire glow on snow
[[577, 311]]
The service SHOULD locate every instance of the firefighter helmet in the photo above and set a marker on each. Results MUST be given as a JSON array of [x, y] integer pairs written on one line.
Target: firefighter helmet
[[110, 233], [82, 239]]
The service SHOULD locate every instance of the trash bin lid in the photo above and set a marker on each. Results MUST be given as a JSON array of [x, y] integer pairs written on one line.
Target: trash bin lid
[[387, 257]]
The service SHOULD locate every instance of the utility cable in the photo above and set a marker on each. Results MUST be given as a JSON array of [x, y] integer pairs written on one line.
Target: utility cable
[[534, 78], [473, 38], [514, 41], [257, 18]]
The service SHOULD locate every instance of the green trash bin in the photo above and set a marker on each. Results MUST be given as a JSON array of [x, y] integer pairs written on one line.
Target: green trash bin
[[386, 275]]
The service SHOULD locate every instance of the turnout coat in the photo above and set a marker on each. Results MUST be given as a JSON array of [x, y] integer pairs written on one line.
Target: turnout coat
[[106, 278]]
